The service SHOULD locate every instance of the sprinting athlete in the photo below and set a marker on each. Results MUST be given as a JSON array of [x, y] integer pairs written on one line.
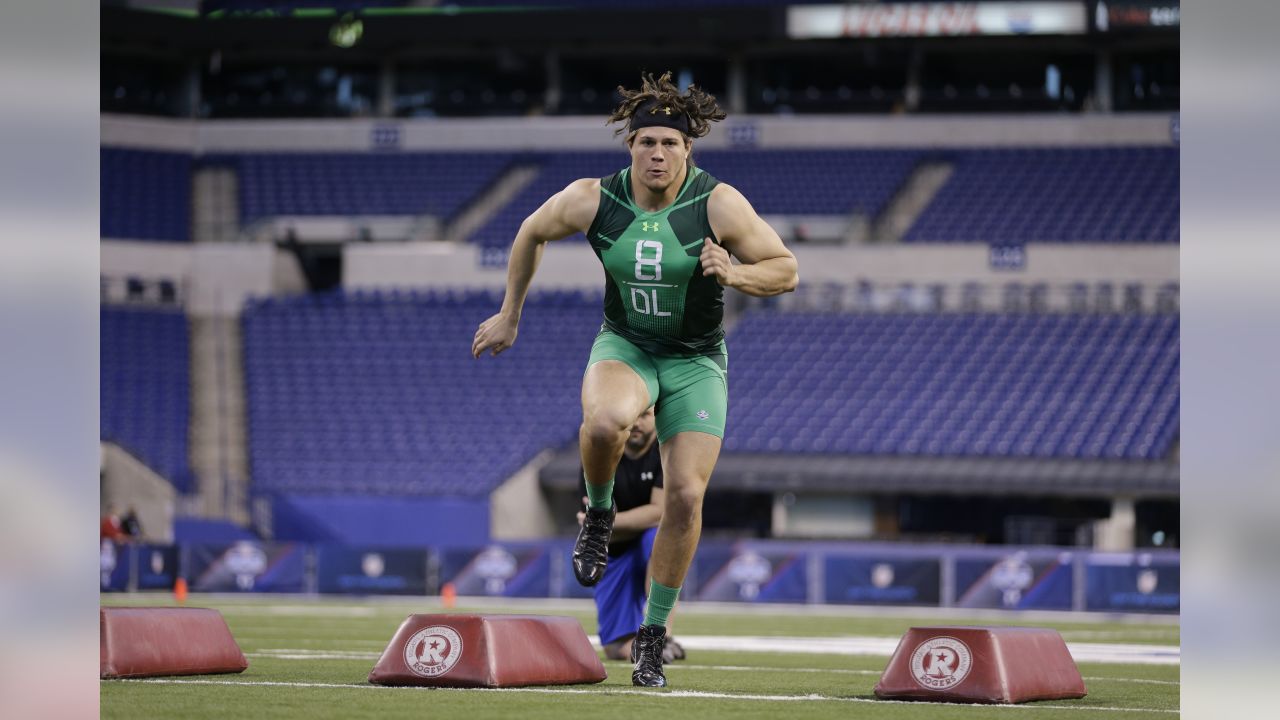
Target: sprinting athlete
[[664, 231]]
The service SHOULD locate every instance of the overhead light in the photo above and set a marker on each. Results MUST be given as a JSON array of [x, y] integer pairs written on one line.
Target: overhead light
[[347, 31]]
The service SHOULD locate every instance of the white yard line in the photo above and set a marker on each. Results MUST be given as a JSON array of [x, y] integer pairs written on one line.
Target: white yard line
[[1126, 654], [316, 610], [1136, 681], [1157, 634], [850, 646], [968, 615], [745, 668], [394, 604], [646, 693], [301, 654], [304, 655], [884, 647]]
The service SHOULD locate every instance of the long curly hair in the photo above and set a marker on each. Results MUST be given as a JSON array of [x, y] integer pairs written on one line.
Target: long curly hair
[[700, 107]]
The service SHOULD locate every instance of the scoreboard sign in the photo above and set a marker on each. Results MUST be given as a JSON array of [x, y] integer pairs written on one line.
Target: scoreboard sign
[[935, 19], [1116, 15]]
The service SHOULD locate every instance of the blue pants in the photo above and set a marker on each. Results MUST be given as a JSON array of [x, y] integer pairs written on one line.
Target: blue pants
[[621, 594]]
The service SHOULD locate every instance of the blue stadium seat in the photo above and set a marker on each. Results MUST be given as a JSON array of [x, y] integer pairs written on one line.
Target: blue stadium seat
[[145, 395], [1107, 195], [145, 195], [377, 392], [1104, 195], [440, 184], [1081, 386]]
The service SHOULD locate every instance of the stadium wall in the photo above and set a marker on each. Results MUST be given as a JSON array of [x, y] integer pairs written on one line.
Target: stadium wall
[[572, 266], [589, 133], [127, 482], [217, 277]]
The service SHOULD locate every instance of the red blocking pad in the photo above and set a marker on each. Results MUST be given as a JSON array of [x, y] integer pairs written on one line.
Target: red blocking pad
[[981, 665], [493, 651], [146, 642]]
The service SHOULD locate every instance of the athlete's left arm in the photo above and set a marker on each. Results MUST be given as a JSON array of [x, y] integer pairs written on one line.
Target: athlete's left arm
[[768, 267]]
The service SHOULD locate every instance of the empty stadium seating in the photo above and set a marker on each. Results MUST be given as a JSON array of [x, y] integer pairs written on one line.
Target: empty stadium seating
[[813, 182], [1075, 386], [1127, 194], [438, 184], [145, 387], [377, 393], [145, 195]]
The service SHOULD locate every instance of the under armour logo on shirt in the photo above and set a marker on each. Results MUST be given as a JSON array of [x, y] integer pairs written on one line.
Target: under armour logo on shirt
[[702, 415]]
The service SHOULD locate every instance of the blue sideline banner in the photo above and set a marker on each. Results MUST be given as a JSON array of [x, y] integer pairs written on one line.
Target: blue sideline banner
[[1018, 581], [157, 566], [247, 566], [869, 580], [114, 564], [367, 571], [1132, 583], [499, 570], [750, 573]]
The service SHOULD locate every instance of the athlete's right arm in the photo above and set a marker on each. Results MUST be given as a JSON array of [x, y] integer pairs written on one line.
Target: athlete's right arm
[[568, 211], [632, 523]]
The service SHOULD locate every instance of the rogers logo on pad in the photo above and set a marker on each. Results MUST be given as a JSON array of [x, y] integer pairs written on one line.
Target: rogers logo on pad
[[940, 663], [433, 651]]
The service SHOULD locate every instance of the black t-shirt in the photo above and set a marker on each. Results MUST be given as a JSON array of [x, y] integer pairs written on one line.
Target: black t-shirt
[[633, 484], [131, 526]]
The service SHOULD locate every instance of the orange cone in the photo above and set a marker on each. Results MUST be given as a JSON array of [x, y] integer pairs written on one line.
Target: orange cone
[[449, 595], [180, 590]]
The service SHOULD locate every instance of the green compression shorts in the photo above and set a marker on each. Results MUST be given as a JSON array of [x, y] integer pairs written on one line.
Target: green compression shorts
[[690, 393]]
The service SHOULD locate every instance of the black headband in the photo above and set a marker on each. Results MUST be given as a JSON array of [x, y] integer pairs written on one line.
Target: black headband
[[653, 113]]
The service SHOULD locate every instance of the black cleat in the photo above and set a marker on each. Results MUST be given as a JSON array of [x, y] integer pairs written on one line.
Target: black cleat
[[591, 551], [646, 653]]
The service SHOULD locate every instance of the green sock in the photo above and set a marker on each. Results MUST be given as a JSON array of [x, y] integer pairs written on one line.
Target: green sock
[[600, 497], [661, 600]]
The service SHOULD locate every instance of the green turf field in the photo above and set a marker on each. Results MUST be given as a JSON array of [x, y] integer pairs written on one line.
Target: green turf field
[[310, 659]]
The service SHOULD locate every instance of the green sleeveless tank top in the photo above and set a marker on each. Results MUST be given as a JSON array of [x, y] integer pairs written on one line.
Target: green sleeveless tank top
[[655, 294]]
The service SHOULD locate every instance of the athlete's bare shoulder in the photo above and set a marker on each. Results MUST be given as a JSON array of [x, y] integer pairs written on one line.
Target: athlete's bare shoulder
[[577, 203], [729, 211], [742, 232], [727, 197]]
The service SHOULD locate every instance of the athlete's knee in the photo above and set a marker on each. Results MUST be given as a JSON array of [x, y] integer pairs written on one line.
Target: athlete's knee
[[683, 503], [604, 427]]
